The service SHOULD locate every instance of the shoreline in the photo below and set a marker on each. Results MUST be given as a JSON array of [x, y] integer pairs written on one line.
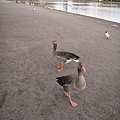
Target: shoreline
[[41, 5]]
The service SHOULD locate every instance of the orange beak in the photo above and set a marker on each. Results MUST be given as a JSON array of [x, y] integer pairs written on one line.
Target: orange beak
[[51, 43], [83, 69]]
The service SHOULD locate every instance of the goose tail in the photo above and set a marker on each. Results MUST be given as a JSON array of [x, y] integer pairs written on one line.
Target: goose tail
[[59, 81], [76, 58]]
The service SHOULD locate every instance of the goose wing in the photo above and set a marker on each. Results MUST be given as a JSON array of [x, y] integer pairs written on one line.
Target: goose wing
[[67, 55], [65, 82]]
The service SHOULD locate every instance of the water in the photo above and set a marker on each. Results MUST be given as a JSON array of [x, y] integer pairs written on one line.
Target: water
[[110, 12], [98, 10]]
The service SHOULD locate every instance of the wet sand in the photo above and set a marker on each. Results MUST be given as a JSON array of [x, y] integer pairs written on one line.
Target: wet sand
[[28, 89]]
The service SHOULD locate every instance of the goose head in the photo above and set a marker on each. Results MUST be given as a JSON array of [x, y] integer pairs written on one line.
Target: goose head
[[81, 68], [54, 44]]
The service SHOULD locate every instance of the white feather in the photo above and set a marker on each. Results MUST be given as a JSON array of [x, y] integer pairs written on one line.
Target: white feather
[[68, 61], [107, 35], [34, 9], [76, 60]]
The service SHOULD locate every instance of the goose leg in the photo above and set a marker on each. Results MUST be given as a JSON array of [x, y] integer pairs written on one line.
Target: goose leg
[[71, 102], [60, 68], [66, 94]]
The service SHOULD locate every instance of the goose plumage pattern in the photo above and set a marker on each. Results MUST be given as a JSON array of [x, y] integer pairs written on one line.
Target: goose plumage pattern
[[72, 83], [63, 57]]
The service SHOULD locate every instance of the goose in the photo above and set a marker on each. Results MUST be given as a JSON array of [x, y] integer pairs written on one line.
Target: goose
[[107, 35], [73, 84], [62, 56]]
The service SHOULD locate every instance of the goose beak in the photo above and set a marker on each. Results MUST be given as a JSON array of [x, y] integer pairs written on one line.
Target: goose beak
[[51, 43], [83, 69]]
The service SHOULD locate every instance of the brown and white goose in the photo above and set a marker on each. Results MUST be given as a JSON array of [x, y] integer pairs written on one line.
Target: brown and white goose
[[62, 56], [73, 84]]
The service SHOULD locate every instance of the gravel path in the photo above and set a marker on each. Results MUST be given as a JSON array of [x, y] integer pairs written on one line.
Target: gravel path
[[28, 89]]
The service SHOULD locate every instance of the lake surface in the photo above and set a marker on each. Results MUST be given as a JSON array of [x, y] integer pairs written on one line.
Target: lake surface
[[110, 12]]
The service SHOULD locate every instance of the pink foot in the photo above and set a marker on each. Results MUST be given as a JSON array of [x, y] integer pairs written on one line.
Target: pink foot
[[66, 94], [73, 104], [59, 70], [59, 66]]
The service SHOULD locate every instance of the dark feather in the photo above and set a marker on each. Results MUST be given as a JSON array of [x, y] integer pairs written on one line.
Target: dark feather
[[72, 56], [67, 55], [65, 80]]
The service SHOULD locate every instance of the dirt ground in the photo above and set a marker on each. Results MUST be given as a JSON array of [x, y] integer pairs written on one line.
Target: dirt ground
[[28, 89]]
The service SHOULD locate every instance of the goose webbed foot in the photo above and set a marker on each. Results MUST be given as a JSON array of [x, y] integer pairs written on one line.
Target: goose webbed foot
[[60, 70], [59, 66], [73, 104]]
